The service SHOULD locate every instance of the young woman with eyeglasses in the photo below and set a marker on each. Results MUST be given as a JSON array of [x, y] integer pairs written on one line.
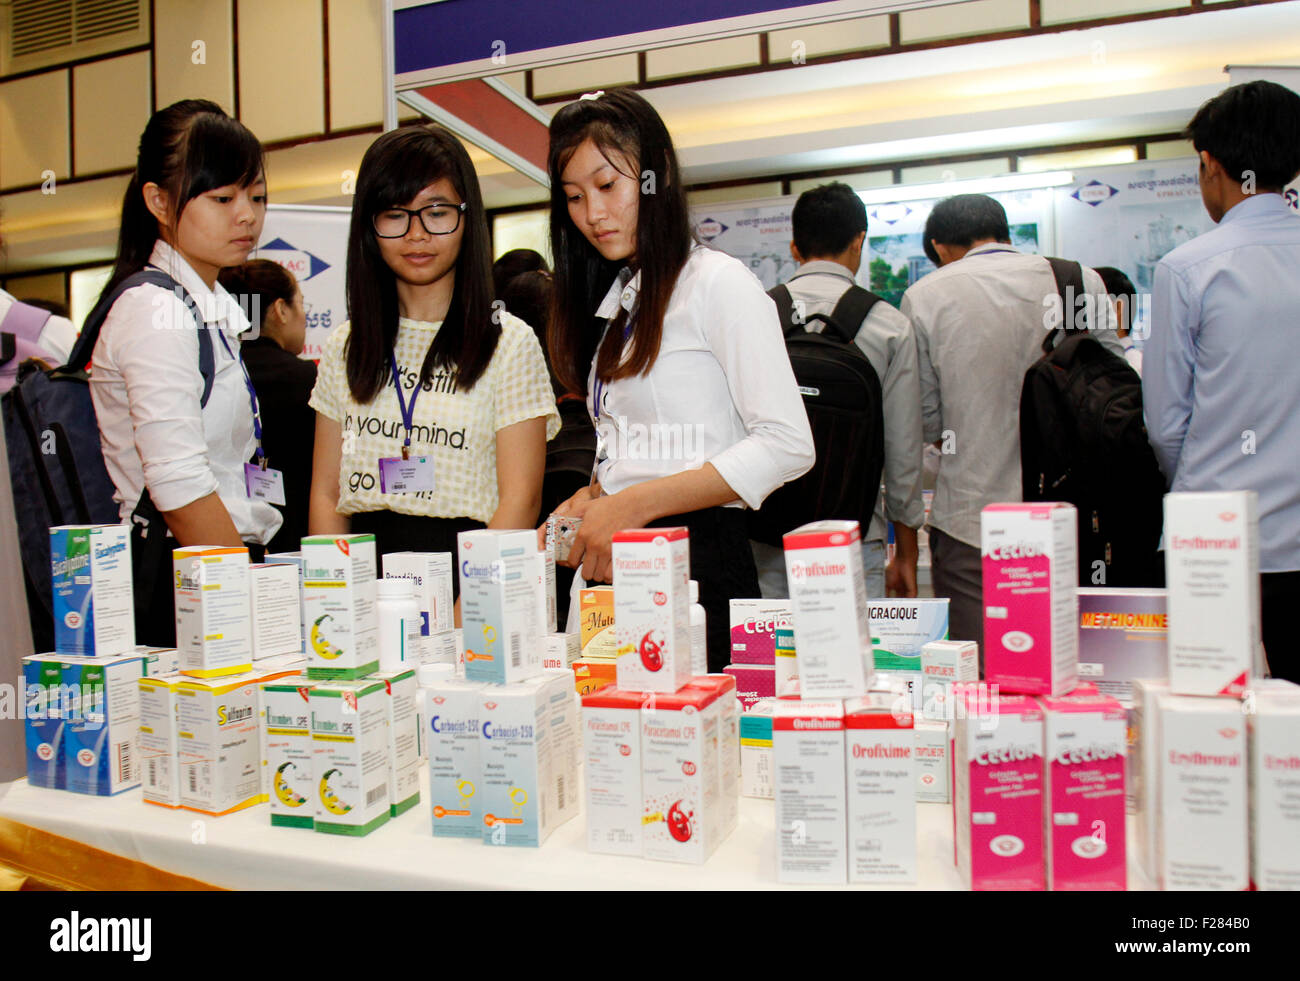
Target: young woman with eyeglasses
[[677, 349], [433, 407]]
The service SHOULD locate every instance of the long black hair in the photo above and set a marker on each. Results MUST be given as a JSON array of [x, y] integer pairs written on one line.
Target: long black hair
[[396, 168], [187, 149], [624, 127]]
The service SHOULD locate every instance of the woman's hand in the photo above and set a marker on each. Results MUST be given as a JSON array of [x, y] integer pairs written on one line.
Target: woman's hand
[[574, 507], [601, 518]]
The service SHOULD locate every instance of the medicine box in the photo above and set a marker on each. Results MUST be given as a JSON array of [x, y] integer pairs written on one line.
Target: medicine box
[[213, 629], [294, 559], [828, 600], [1030, 563], [559, 651], [526, 759], [1203, 829], [44, 698], [1085, 737], [596, 624], [286, 707], [219, 743], [933, 770], [652, 608], [499, 605], [403, 740], [683, 817], [1143, 770], [275, 609], [611, 740], [94, 611], [455, 775], [1212, 574], [753, 682], [756, 749], [102, 714], [339, 599], [881, 790], [1275, 775], [754, 623], [1122, 636], [900, 628], [998, 796], [158, 741], [349, 731], [810, 790]]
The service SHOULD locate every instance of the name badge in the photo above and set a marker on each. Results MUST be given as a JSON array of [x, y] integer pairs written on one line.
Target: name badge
[[264, 485], [398, 476]]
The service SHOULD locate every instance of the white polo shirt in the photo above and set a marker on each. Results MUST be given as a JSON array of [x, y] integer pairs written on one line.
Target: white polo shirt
[[721, 390], [146, 388]]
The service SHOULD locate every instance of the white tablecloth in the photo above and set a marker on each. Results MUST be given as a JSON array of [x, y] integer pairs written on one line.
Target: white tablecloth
[[243, 851]]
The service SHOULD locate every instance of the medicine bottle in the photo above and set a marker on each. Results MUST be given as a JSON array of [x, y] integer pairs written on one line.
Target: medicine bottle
[[699, 638], [398, 616]]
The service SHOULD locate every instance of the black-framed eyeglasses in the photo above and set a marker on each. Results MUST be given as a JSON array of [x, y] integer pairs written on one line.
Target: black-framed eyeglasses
[[437, 219]]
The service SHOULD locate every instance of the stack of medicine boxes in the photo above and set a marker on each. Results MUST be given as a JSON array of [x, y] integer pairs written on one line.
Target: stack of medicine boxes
[[502, 740], [662, 746], [843, 755], [342, 752], [82, 707], [1216, 742], [200, 730]]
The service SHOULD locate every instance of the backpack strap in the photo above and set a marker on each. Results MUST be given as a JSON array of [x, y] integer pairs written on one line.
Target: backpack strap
[[784, 308], [1069, 286], [79, 360], [851, 309]]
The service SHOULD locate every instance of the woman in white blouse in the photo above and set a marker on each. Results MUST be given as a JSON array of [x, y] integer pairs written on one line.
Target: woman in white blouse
[[677, 349], [195, 204]]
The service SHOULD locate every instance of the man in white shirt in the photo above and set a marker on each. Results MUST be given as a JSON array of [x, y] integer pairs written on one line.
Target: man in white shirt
[[979, 322], [830, 229]]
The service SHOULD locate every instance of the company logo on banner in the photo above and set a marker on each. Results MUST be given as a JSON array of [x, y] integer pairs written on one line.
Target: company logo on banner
[[312, 243], [1094, 193], [709, 229], [300, 262]]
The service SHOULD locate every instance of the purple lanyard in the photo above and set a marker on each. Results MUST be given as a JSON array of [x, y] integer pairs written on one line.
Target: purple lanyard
[[252, 396], [408, 408]]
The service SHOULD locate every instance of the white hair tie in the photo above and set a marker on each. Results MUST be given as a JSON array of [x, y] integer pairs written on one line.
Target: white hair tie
[[591, 95]]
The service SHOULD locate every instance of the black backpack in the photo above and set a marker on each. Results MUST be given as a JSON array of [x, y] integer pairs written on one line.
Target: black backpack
[[1083, 440], [56, 465], [842, 396]]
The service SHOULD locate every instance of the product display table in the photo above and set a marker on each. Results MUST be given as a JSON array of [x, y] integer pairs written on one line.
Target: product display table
[[242, 850]]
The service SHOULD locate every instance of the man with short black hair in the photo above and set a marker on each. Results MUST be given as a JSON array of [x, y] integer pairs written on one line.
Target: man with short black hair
[[1221, 385], [979, 321], [829, 228]]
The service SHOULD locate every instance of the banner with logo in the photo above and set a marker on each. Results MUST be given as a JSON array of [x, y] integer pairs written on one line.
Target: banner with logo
[[1131, 215], [755, 232], [311, 241]]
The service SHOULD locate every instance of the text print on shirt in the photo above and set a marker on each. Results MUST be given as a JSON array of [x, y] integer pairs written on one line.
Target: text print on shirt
[[431, 434]]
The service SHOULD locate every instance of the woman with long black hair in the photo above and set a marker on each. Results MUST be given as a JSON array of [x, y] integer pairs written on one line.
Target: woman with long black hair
[[175, 409], [677, 349], [433, 407]]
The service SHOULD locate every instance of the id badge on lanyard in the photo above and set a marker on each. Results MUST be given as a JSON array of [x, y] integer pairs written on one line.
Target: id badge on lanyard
[[260, 482], [406, 474]]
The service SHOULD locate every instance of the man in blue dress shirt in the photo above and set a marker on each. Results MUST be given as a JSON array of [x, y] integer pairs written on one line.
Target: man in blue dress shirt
[[1221, 380]]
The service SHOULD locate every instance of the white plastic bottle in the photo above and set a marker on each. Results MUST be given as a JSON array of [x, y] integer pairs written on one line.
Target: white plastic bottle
[[699, 637], [398, 616]]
